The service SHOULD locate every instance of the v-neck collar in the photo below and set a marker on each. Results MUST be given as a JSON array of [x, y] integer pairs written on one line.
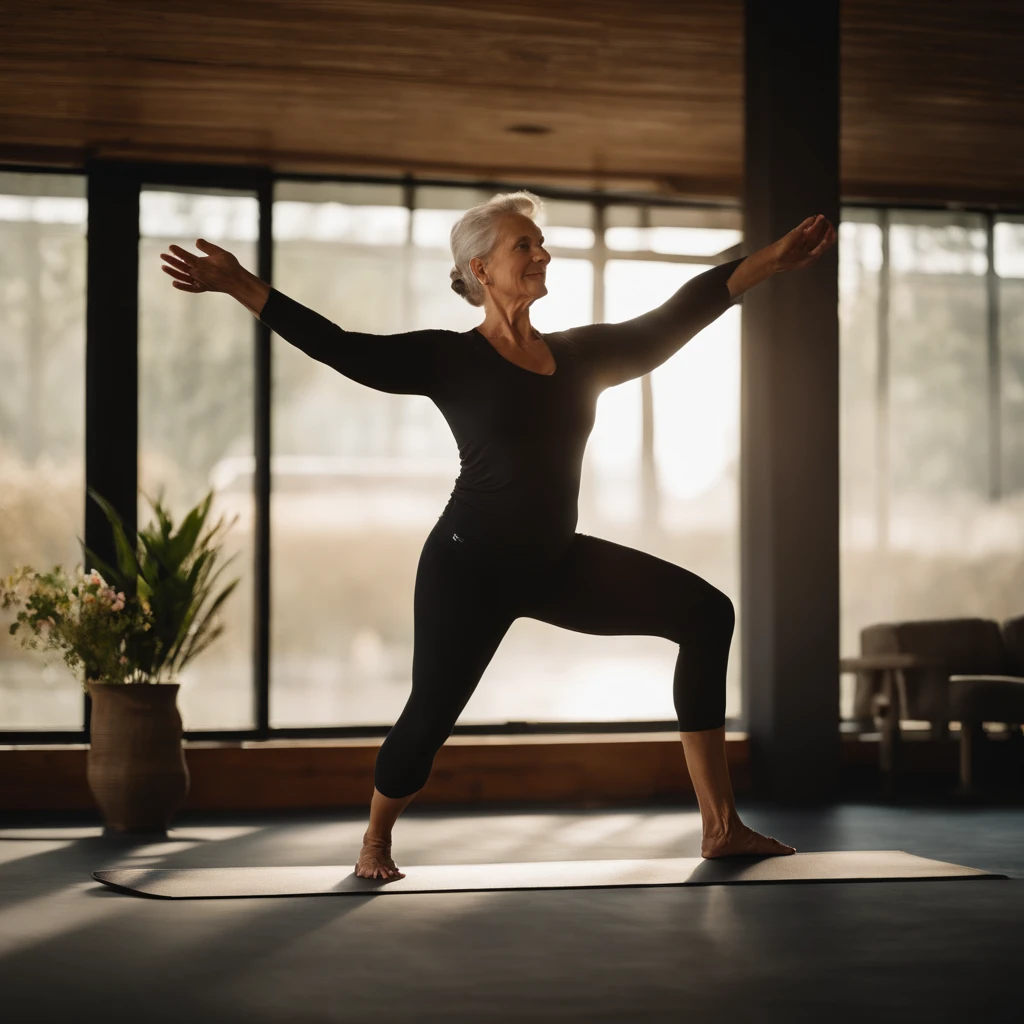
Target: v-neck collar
[[534, 373]]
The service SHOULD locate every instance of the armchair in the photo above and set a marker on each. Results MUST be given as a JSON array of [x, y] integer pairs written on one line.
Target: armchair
[[968, 670]]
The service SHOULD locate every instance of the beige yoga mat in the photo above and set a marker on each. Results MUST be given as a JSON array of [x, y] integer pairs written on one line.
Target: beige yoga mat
[[334, 880]]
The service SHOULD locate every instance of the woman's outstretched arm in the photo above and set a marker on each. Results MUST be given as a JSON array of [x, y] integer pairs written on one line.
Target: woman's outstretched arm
[[400, 364], [624, 351], [630, 349]]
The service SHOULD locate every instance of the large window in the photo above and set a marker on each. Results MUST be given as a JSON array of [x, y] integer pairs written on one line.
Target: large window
[[196, 405], [672, 489], [1009, 266], [42, 421], [932, 419], [931, 433]]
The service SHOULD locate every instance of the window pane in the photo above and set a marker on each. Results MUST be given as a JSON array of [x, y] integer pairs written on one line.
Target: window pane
[[863, 583], [196, 406], [684, 231], [937, 243], [1009, 249], [951, 552], [696, 449], [563, 223], [939, 372], [358, 476], [42, 423]]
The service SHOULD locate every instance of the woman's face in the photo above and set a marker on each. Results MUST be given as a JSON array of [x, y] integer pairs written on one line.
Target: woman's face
[[516, 268]]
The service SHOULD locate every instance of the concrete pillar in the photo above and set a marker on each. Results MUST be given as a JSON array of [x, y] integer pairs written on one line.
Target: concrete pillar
[[790, 406]]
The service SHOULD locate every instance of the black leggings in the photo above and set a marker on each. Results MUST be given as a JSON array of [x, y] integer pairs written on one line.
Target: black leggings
[[468, 593]]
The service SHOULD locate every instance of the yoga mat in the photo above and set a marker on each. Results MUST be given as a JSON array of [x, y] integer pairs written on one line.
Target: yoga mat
[[334, 880]]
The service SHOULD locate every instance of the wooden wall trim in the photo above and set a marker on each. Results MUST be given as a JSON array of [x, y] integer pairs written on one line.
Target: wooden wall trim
[[581, 770], [324, 773]]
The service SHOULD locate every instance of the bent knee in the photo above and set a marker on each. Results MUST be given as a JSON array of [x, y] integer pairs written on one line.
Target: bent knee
[[714, 612], [722, 609]]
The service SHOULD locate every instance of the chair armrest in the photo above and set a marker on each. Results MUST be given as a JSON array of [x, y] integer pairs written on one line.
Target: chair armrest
[[987, 679], [986, 698]]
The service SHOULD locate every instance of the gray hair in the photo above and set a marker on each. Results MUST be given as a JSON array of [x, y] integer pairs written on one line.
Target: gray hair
[[475, 233]]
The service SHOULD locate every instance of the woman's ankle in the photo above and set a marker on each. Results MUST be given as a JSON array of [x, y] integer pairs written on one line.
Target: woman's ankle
[[720, 824]]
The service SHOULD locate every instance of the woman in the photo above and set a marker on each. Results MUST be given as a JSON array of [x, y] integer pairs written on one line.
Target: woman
[[521, 406]]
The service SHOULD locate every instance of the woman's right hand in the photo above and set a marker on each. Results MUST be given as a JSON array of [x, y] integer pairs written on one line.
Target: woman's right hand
[[217, 272]]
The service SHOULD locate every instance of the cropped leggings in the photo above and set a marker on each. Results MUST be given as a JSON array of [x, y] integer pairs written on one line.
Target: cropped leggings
[[468, 593]]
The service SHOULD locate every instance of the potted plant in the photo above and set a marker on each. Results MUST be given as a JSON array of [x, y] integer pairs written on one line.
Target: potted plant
[[139, 623]]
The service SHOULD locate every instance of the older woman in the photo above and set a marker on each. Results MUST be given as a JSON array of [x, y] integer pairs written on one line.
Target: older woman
[[521, 406]]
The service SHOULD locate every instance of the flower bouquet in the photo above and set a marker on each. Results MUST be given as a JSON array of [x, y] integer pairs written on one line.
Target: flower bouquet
[[79, 615], [129, 625]]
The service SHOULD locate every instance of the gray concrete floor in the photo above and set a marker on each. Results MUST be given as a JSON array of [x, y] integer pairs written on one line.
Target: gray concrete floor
[[909, 951]]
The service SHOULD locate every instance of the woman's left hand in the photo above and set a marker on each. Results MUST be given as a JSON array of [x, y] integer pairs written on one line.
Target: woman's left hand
[[804, 244]]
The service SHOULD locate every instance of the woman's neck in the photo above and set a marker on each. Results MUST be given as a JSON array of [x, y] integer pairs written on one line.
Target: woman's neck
[[513, 327]]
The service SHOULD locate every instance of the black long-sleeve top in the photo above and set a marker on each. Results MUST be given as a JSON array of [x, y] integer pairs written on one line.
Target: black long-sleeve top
[[521, 434]]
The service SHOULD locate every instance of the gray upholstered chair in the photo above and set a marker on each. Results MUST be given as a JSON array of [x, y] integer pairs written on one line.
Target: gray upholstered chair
[[967, 670], [989, 697]]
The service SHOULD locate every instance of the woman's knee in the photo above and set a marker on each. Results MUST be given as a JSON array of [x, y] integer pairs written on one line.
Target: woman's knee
[[711, 613], [722, 611]]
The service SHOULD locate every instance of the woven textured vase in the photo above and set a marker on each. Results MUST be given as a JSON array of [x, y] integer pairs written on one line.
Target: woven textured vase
[[136, 765]]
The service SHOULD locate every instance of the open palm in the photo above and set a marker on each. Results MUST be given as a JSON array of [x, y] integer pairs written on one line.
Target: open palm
[[191, 273], [805, 243]]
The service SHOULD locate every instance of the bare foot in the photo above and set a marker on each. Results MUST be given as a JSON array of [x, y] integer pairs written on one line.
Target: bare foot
[[375, 859], [740, 841]]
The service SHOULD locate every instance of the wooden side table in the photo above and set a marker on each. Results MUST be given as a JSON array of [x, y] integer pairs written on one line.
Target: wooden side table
[[888, 670]]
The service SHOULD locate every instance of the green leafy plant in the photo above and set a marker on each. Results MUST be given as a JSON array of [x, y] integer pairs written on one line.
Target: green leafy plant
[[170, 572], [134, 623]]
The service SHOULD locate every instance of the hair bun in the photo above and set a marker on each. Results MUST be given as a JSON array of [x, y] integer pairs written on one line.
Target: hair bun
[[458, 286]]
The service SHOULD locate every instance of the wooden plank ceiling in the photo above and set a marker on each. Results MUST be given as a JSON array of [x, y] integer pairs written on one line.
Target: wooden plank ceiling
[[595, 93]]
